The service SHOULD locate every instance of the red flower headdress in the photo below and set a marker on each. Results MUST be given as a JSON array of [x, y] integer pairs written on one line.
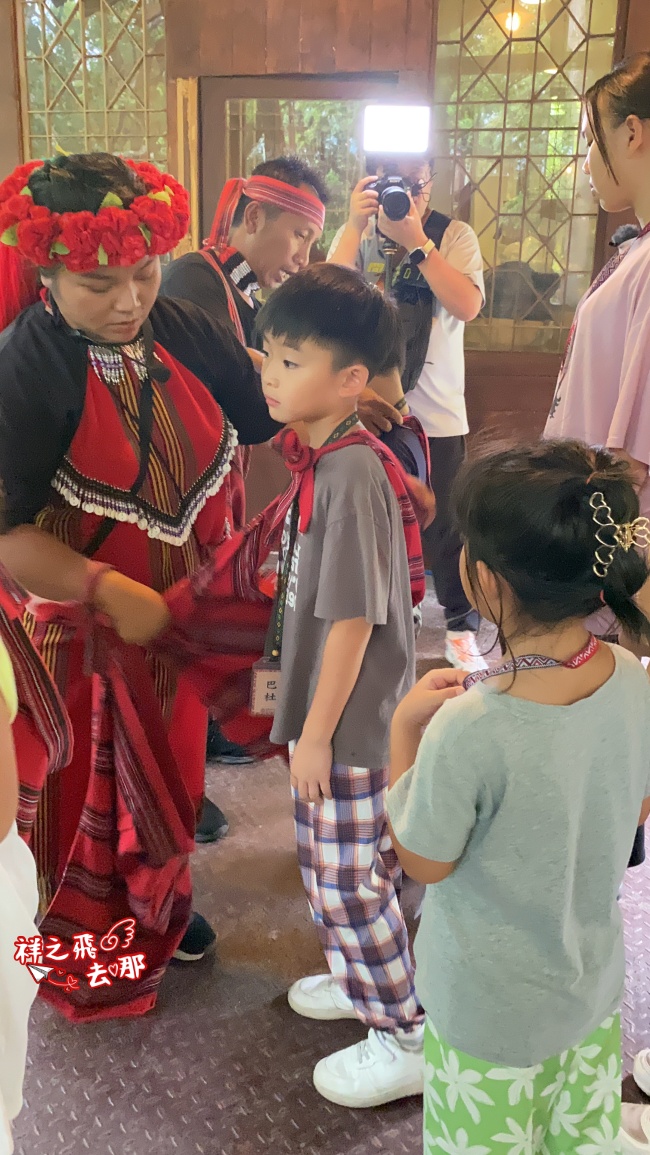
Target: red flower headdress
[[153, 224]]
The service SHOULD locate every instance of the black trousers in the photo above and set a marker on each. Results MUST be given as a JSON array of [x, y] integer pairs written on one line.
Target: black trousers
[[440, 542]]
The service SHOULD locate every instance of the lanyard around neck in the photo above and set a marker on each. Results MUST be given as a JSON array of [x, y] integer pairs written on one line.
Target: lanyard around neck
[[535, 662], [284, 567]]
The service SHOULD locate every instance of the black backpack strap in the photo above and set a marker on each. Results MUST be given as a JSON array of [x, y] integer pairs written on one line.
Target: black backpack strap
[[435, 227], [406, 446], [416, 304]]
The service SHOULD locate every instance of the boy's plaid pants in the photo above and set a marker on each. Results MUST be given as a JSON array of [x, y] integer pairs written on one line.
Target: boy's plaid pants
[[353, 878]]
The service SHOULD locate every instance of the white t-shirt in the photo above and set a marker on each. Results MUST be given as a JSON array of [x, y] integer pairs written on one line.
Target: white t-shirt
[[438, 399]]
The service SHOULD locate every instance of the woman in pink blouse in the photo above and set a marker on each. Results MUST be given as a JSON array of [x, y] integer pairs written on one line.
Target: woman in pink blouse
[[603, 392]]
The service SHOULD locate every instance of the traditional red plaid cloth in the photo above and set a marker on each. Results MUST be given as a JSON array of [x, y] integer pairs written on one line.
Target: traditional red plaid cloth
[[41, 708], [137, 828], [218, 615], [302, 461], [130, 856]]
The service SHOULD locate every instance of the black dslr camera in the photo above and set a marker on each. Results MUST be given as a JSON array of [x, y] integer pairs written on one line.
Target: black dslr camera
[[393, 197]]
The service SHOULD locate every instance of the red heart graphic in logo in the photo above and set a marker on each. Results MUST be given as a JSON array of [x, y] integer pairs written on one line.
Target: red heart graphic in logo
[[113, 969]]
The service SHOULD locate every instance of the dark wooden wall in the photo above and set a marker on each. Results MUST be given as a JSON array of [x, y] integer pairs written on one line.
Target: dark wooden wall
[[274, 37], [509, 394]]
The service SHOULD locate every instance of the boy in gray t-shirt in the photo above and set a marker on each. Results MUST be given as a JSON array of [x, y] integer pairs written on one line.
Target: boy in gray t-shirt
[[351, 570]]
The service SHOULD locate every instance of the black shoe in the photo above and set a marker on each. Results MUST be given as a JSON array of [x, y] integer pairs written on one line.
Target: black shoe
[[219, 749], [469, 621], [196, 941], [212, 824]]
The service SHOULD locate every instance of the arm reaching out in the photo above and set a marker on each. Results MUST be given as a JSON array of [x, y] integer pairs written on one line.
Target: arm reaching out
[[411, 717], [414, 713], [46, 567], [49, 569], [311, 764]]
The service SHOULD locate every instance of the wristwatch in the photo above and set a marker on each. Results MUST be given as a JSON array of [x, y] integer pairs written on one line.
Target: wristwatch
[[421, 253]]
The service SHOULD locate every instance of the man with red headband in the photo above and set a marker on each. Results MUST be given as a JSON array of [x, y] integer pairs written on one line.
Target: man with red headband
[[262, 233], [120, 416]]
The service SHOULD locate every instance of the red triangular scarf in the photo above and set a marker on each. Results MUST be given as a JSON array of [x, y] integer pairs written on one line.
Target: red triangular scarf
[[302, 461]]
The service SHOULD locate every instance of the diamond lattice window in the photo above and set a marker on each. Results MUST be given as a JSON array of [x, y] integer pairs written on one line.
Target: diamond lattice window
[[510, 75], [94, 77]]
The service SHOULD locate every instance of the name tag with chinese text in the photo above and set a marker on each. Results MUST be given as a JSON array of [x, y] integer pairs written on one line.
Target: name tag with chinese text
[[265, 687]]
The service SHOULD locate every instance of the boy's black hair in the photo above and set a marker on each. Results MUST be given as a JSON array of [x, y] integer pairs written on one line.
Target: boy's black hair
[[525, 513], [337, 309], [290, 169]]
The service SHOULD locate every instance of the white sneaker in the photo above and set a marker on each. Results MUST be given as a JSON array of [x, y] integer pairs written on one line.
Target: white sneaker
[[635, 1128], [462, 652], [378, 1070], [321, 997], [642, 1071]]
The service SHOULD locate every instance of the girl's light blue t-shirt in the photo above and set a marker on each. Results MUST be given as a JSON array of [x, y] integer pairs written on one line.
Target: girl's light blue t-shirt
[[520, 951]]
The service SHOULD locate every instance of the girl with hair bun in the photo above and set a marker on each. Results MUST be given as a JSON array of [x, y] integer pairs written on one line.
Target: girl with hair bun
[[515, 800]]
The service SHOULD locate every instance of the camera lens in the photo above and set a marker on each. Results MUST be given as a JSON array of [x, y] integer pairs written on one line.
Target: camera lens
[[395, 203]]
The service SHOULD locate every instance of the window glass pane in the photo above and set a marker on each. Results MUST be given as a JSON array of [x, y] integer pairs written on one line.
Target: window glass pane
[[509, 82], [96, 76]]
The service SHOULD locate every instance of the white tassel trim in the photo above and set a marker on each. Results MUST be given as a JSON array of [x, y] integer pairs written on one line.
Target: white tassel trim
[[137, 516]]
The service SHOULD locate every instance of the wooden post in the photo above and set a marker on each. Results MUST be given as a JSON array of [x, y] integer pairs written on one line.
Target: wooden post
[[183, 120], [13, 132]]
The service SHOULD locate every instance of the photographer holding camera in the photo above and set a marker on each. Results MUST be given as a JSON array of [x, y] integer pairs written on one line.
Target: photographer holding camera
[[438, 286]]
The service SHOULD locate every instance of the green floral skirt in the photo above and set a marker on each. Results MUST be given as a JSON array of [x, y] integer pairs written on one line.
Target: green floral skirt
[[570, 1103]]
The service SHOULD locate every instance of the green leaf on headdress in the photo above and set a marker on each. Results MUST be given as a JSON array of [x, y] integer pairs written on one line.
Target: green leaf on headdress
[[112, 201], [26, 191], [165, 195], [10, 236], [102, 255], [146, 233], [59, 249]]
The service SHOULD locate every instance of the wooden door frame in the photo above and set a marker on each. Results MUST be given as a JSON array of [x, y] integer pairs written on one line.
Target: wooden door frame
[[215, 91]]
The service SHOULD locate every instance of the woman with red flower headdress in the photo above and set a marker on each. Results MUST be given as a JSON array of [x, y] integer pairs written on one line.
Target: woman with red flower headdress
[[119, 418]]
